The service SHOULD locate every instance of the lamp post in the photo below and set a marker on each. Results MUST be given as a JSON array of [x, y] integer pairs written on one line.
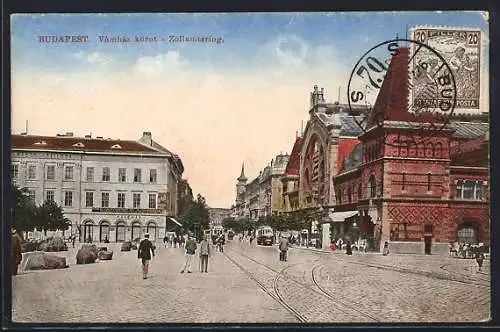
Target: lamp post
[[355, 227]]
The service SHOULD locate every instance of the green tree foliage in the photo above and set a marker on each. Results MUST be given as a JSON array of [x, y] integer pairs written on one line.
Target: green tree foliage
[[50, 217], [195, 217], [27, 216], [23, 210], [238, 225]]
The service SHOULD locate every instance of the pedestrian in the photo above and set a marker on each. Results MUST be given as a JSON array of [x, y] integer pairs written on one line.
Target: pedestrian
[[479, 259], [220, 243], [165, 240], [204, 254], [106, 240], [283, 248], [348, 247], [17, 256], [190, 251], [385, 251], [144, 252], [73, 239]]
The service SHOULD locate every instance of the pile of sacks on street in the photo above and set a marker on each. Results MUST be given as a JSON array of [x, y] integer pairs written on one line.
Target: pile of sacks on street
[[126, 246], [53, 244], [39, 260], [89, 253]]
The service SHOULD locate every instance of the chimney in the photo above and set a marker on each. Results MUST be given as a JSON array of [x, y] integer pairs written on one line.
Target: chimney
[[147, 138]]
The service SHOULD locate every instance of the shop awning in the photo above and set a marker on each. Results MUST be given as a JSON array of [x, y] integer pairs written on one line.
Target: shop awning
[[341, 216], [178, 223]]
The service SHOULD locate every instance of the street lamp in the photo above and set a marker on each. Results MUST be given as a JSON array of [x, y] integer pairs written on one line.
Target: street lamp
[[355, 226]]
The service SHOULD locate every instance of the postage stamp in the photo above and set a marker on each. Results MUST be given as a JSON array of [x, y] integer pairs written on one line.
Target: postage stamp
[[433, 85], [461, 49], [248, 168]]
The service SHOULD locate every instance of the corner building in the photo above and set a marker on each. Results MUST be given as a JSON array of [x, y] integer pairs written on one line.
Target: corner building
[[108, 188], [421, 196]]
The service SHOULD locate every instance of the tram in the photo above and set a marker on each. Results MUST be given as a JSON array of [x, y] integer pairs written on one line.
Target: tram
[[265, 236], [216, 232]]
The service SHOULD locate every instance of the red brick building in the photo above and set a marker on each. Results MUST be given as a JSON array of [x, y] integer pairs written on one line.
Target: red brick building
[[418, 197]]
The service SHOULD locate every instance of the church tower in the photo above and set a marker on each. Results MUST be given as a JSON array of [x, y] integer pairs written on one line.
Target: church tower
[[241, 186]]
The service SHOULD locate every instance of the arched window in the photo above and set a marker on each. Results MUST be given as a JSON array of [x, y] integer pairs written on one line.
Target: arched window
[[420, 150], [438, 150], [429, 184], [104, 231], [120, 231], [470, 189], [372, 183], [151, 228], [429, 150], [88, 231], [467, 233], [136, 230]]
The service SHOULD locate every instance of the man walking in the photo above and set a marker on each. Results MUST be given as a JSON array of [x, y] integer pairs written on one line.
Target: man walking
[[17, 256], [190, 251], [144, 253], [283, 247], [204, 254]]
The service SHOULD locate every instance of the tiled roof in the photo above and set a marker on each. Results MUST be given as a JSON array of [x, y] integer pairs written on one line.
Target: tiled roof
[[351, 125], [348, 123], [354, 159], [346, 146], [469, 130], [293, 165], [77, 144], [280, 163], [392, 99]]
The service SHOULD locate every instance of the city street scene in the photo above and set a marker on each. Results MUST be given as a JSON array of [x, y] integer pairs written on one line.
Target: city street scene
[[250, 168]]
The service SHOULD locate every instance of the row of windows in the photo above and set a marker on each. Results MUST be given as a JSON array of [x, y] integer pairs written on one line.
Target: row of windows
[[89, 199], [50, 173], [466, 189]]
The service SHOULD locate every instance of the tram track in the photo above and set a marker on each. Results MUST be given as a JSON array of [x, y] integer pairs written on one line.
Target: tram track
[[335, 305], [465, 279], [276, 295]]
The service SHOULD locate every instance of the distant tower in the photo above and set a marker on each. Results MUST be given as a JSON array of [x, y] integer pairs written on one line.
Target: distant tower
[[241, 186], [317, 96]]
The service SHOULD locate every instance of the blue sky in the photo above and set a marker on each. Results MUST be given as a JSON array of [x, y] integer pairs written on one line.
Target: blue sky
[[349, 33], [216, 106]]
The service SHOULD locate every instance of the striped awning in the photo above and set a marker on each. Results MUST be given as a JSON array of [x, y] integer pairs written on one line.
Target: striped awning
[[178, 223], [341, 216]]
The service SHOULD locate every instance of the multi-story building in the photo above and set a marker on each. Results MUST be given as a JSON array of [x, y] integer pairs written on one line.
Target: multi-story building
[[417, 197], [290, 180], [109, 188], [262, 196], [217, 215]]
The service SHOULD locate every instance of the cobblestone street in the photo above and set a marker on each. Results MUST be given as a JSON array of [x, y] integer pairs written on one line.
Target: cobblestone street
[[250, 284]]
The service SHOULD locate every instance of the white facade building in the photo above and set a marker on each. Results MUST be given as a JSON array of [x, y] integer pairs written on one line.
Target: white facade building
[[112, 189]]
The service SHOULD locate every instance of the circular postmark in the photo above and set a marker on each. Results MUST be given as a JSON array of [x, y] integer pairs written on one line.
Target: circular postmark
[[424, 99]]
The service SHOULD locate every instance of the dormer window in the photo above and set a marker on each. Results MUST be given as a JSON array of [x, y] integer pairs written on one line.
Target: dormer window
[[79, 145], [40, 143], [116, 146]]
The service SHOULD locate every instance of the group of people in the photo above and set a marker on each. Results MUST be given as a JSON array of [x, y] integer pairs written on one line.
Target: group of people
[[145, 252], [173, 241]]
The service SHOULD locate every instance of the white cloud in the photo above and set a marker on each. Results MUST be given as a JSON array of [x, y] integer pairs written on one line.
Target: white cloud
[[93, 58], [161, 63]]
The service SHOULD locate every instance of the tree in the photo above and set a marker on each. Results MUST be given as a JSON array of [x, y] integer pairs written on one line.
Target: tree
[[23, 210], [195, 216], [50, 217]]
